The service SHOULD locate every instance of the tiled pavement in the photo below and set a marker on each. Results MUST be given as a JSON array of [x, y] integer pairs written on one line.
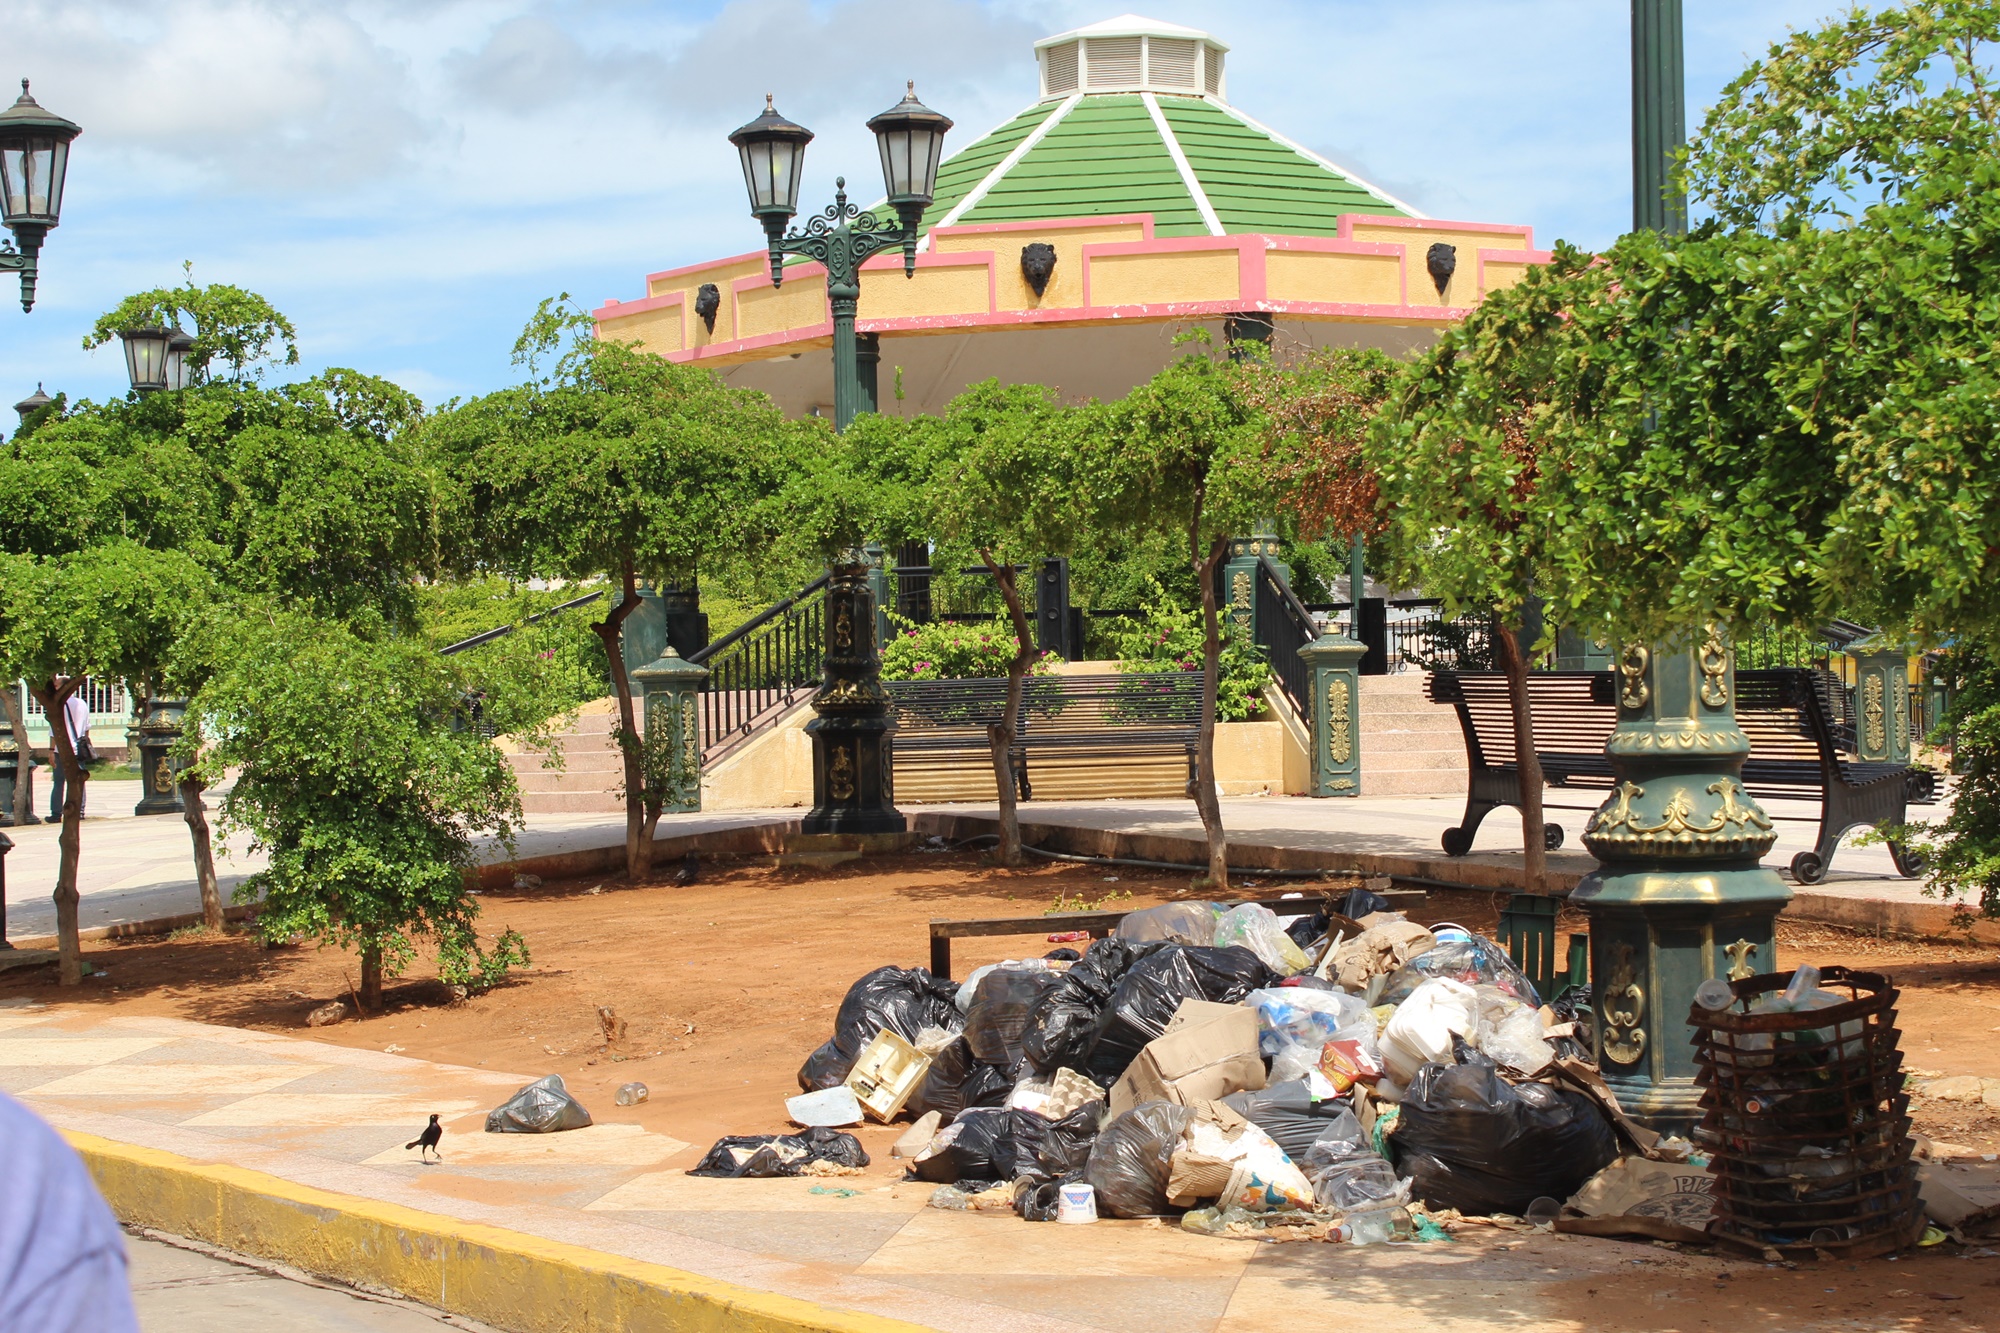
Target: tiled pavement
[[336, 1119]]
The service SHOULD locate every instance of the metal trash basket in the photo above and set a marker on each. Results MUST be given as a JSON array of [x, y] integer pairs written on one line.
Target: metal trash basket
[[1806, 1121]]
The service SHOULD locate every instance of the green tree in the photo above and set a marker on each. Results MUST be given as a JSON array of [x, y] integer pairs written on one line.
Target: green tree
[[357, 772], [614, 465], [1006, 485], [236, 327], [113, 611], [1186, 454]]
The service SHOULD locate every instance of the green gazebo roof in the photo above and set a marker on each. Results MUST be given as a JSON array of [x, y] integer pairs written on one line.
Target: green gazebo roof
[[1124, 138]]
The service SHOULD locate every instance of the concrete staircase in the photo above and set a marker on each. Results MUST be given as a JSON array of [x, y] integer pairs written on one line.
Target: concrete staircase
[[1409, 746], [592, 771]]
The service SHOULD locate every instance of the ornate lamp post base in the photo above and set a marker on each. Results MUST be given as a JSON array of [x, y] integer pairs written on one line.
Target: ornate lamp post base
[[1679, 896], [158, 728], [853, 737]]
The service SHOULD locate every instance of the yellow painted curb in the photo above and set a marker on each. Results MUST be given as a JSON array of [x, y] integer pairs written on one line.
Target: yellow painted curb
[[514, 1281]]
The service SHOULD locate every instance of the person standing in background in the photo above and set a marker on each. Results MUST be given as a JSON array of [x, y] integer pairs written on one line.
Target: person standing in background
[[75, 720]]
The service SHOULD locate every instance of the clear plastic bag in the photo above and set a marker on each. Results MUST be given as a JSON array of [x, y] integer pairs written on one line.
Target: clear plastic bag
[[1473, 962], [1177, 923], [1358, 1182], [542, 1107], [1256, 928], [1517, 1042], [1302, 1016]]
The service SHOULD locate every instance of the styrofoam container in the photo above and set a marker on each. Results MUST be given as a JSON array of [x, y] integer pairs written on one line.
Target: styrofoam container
[[829, 1106], [1077, 1204]]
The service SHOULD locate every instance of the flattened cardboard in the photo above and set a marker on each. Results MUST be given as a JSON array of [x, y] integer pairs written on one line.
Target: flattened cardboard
[[1961, 1195], [1208, 1052]]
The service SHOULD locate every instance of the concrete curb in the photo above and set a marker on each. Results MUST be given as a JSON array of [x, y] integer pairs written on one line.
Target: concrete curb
[[1928, 920], [504, 1278]]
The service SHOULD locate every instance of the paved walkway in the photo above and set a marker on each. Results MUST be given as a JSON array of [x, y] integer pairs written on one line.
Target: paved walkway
[[139, 869], [336, 1119]]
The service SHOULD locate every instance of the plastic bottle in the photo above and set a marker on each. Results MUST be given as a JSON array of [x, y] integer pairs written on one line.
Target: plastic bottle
[[631, 1094]]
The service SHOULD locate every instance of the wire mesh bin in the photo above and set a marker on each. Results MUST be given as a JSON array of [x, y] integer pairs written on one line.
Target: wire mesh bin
[[1805, 1117]]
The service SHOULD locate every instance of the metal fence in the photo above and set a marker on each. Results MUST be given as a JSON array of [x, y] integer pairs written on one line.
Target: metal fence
[[1420, 635]]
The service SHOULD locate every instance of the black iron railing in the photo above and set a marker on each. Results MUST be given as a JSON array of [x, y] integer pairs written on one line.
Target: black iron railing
[[758, 670], [1421, 636], [501, 631], [1284, 626]]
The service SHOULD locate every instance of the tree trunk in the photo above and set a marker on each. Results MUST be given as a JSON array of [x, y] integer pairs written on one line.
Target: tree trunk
[[638, 839], [1002, 733], [371, 979], [24, 774], [1211, 685], [195, 811], [69, 967], [1528, 762]]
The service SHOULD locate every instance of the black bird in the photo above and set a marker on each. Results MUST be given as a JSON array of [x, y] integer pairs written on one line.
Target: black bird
[[690, 870], [428, 1140]]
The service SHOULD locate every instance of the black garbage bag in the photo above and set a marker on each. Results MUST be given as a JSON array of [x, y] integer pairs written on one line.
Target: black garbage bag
[[943, 1087], [1475, 1142], [964, 1150], [1034, 1145], [1132, 1158], [1359, 902], [1153, 988], [1064, 955], [1309, 929], [987, 1085], [1000, 1010], [1287, 1112], [905, 1000], [1060, 1029], [1037, 1200], [741, 1156], [1573, 1006], [543, 1107]]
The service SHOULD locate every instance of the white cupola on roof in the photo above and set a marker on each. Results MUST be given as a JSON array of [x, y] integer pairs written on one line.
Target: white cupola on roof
[[1130, 54]]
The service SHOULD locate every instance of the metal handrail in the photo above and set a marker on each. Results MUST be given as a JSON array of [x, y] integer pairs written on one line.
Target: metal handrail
[[760, 669], [501, 631], [1284, 626]]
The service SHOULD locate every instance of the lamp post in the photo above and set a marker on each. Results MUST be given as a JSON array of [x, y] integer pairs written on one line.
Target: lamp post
[[853, 734], [1679, 895], [34, 159], [146, 356]]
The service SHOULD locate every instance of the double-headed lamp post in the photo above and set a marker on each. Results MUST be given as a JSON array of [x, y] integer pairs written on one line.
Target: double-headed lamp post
[[155, 357], [34, 159], [853, 772]]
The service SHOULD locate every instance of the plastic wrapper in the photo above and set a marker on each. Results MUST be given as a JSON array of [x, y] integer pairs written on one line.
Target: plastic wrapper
[[543, 1107], [1154, 987], [1475, 961], [1516, 1041], [1033, 1145], [903, 1000], [1256, 928], [1346, 1061], [1065, 1018], [1000, 1011], [963, 1150], [1470, 1140], [759, 1155], [1288, 1113], [1303, 1016], [1175, 923], [1132, 1158], [1420, 1032]]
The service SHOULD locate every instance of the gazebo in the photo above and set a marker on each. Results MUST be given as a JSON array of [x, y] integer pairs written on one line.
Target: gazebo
[[1069, 245]]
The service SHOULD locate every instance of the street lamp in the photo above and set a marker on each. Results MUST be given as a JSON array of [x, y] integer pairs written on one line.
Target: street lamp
[[853, 774], [910, 137], [34, 159], [146, 349], [177, 354]]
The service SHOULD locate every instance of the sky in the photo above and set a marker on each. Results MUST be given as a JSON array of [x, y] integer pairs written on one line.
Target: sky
[[407, 179]]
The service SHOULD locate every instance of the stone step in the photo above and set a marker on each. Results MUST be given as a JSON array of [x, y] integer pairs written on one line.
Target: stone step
[[573, 762], [1413, 782], [571, 803], [550, 782]]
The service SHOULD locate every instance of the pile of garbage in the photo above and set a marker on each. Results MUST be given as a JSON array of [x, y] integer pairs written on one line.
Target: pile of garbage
[[1335, 1075]]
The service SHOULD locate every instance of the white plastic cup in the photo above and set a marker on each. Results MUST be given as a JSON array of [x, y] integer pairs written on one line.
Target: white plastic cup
[[1077, 1205]]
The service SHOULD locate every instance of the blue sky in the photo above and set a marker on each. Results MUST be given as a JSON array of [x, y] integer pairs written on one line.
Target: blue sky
[[407, 179]]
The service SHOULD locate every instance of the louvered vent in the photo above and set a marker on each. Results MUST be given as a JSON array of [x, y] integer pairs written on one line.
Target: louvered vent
[[1171, 63], [1059, 70], [1212, 77], [1113, 62]]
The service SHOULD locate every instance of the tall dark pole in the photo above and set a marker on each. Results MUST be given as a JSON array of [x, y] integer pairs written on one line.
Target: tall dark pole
[[1679, 895], [1659, 116]]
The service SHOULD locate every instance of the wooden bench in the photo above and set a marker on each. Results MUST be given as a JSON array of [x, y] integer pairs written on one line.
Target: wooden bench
[[1090, 718], [1101, 924], [1792, 716]]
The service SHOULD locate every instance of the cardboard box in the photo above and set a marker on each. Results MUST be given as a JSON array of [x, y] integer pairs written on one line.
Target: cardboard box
[[1961, 1195], [1208, 1052]]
